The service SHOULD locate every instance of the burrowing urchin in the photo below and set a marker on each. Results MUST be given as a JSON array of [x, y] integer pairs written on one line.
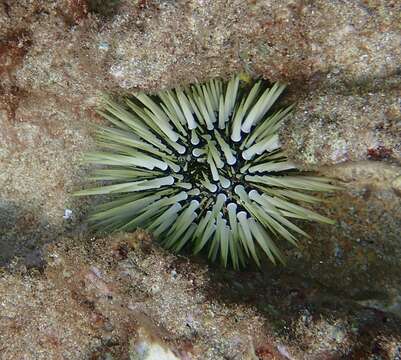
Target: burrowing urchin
[[202, 167]]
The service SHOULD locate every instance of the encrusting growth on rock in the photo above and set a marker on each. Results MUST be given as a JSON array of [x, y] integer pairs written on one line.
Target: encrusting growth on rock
[[202, 167]]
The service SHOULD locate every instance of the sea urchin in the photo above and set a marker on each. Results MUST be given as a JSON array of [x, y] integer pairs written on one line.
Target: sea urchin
[[202, 167]]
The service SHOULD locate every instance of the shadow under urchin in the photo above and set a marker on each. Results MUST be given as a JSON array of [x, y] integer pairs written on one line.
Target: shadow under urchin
[[202, 168]]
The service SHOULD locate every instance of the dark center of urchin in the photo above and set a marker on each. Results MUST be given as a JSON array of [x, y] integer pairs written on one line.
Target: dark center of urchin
[[196, 170]]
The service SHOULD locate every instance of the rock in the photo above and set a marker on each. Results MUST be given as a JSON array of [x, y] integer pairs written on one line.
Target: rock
[[335, 128], [396, 185], [103, 308], [148, 348]]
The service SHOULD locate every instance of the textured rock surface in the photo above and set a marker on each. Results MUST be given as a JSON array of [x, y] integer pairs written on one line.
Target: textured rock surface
[[339, 292], [334, 128], [115, 297]]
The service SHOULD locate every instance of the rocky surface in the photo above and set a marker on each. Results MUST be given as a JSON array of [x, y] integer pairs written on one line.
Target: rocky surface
[[123, 297], [117, 296], [335, 128], [339, 296]]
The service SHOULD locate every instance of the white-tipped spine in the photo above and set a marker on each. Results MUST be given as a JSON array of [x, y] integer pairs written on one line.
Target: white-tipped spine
[[186, 107], [194, 138], [225, 183]]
